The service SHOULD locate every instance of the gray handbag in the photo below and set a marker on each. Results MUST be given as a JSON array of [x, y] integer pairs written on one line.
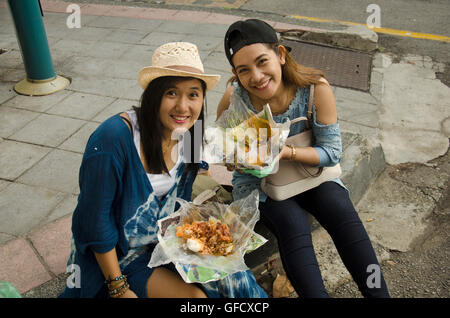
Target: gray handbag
[[294, 177]]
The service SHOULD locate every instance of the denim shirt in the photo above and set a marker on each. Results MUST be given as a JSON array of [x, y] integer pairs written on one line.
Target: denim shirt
[[328, 142]]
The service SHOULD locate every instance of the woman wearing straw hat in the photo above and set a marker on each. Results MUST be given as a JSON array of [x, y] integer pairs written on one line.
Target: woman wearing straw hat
[[266, 73], [132, 171]]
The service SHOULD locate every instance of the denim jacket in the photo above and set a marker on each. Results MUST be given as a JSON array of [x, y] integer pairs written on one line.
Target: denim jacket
[[328, 142]]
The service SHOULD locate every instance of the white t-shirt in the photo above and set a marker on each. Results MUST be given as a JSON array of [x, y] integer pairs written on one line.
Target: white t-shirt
[[161, 183]]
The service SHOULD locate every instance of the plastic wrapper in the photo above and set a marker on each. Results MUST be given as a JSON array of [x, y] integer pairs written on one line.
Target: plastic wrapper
[[243, 138], [240, 217], [7, 290]]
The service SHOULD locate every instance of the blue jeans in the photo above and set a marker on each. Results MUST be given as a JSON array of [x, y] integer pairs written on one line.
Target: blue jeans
[[330, 204]]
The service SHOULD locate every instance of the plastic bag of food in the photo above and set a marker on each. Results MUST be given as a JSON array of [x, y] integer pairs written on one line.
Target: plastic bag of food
[[7, 290], [243, 138], [209, 221]]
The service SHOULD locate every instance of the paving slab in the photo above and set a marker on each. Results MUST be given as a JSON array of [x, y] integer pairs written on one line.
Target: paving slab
[[57, 171], [122, 68], [217, 61], [77, 142], [75, 47], [47, 130], [142, 25], [158, 38], [118, 106], [16, 158], [52, 243], [81, 106], [15, 254], [348, 126], [14, 119], [103, 49], [11, 58], [87, 33], [36, 103], [6, 92], [84, 65], [53, 19], [65, 207], [4, 184], [141, 53], [126, 36], [109, 87], [204, 43], [411, 122], [12, 75], [406, 144], [23, 207]]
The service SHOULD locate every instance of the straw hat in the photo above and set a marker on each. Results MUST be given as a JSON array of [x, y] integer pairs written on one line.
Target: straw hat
[[176, 59]]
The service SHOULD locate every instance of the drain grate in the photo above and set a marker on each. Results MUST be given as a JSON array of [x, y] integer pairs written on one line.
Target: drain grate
[[343, 68]]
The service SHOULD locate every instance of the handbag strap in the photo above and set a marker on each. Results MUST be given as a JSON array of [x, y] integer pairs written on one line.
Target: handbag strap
[[308, 126], [309, 110]]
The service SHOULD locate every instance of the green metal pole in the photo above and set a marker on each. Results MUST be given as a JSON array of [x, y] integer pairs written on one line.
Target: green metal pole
[[32, 39], [35, 51]]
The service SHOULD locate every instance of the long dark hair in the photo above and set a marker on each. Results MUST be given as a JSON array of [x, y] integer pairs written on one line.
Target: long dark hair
[[151, 128]]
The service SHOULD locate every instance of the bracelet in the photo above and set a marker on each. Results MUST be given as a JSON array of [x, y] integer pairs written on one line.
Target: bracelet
[[292, 158], [119, 291], [121, 277]]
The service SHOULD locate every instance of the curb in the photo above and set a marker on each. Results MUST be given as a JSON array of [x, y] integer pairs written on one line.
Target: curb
[[350, 37]]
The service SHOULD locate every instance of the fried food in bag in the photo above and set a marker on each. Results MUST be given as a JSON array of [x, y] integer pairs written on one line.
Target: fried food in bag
[[243, 138], [209, 238], [207, 242]]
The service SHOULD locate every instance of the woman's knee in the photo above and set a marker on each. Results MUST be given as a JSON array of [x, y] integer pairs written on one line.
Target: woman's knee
[[164, 283]]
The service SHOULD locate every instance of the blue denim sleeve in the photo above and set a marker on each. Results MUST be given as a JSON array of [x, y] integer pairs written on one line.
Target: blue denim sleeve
[[93, 222], [328, 143]]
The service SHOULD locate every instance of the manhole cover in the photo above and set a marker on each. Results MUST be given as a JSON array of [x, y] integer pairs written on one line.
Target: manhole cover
[[342, 68]]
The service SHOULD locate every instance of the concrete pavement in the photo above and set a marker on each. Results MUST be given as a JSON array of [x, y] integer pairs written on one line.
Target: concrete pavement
[[42, 139]]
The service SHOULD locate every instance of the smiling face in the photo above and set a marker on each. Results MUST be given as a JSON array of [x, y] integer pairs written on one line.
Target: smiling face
[[181, 105], [258, 68]]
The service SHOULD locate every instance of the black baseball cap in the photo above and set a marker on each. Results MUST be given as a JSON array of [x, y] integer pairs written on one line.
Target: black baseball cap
[[242, 33]]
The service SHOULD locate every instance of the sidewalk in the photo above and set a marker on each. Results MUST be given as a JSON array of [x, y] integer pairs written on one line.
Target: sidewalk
[[42, 139]]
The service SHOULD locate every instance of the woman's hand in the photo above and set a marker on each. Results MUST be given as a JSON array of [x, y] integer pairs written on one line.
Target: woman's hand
[[285, 153], [231, 167]]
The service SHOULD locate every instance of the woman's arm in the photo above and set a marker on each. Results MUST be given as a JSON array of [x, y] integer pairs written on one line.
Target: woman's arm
[[325, 105], [109, 264], [224, 102]]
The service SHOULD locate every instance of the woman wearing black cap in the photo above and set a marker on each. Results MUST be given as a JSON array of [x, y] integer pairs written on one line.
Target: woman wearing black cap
[[266, 73]]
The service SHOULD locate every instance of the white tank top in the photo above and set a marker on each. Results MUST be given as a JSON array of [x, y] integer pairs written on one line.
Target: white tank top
[[161, 183]]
